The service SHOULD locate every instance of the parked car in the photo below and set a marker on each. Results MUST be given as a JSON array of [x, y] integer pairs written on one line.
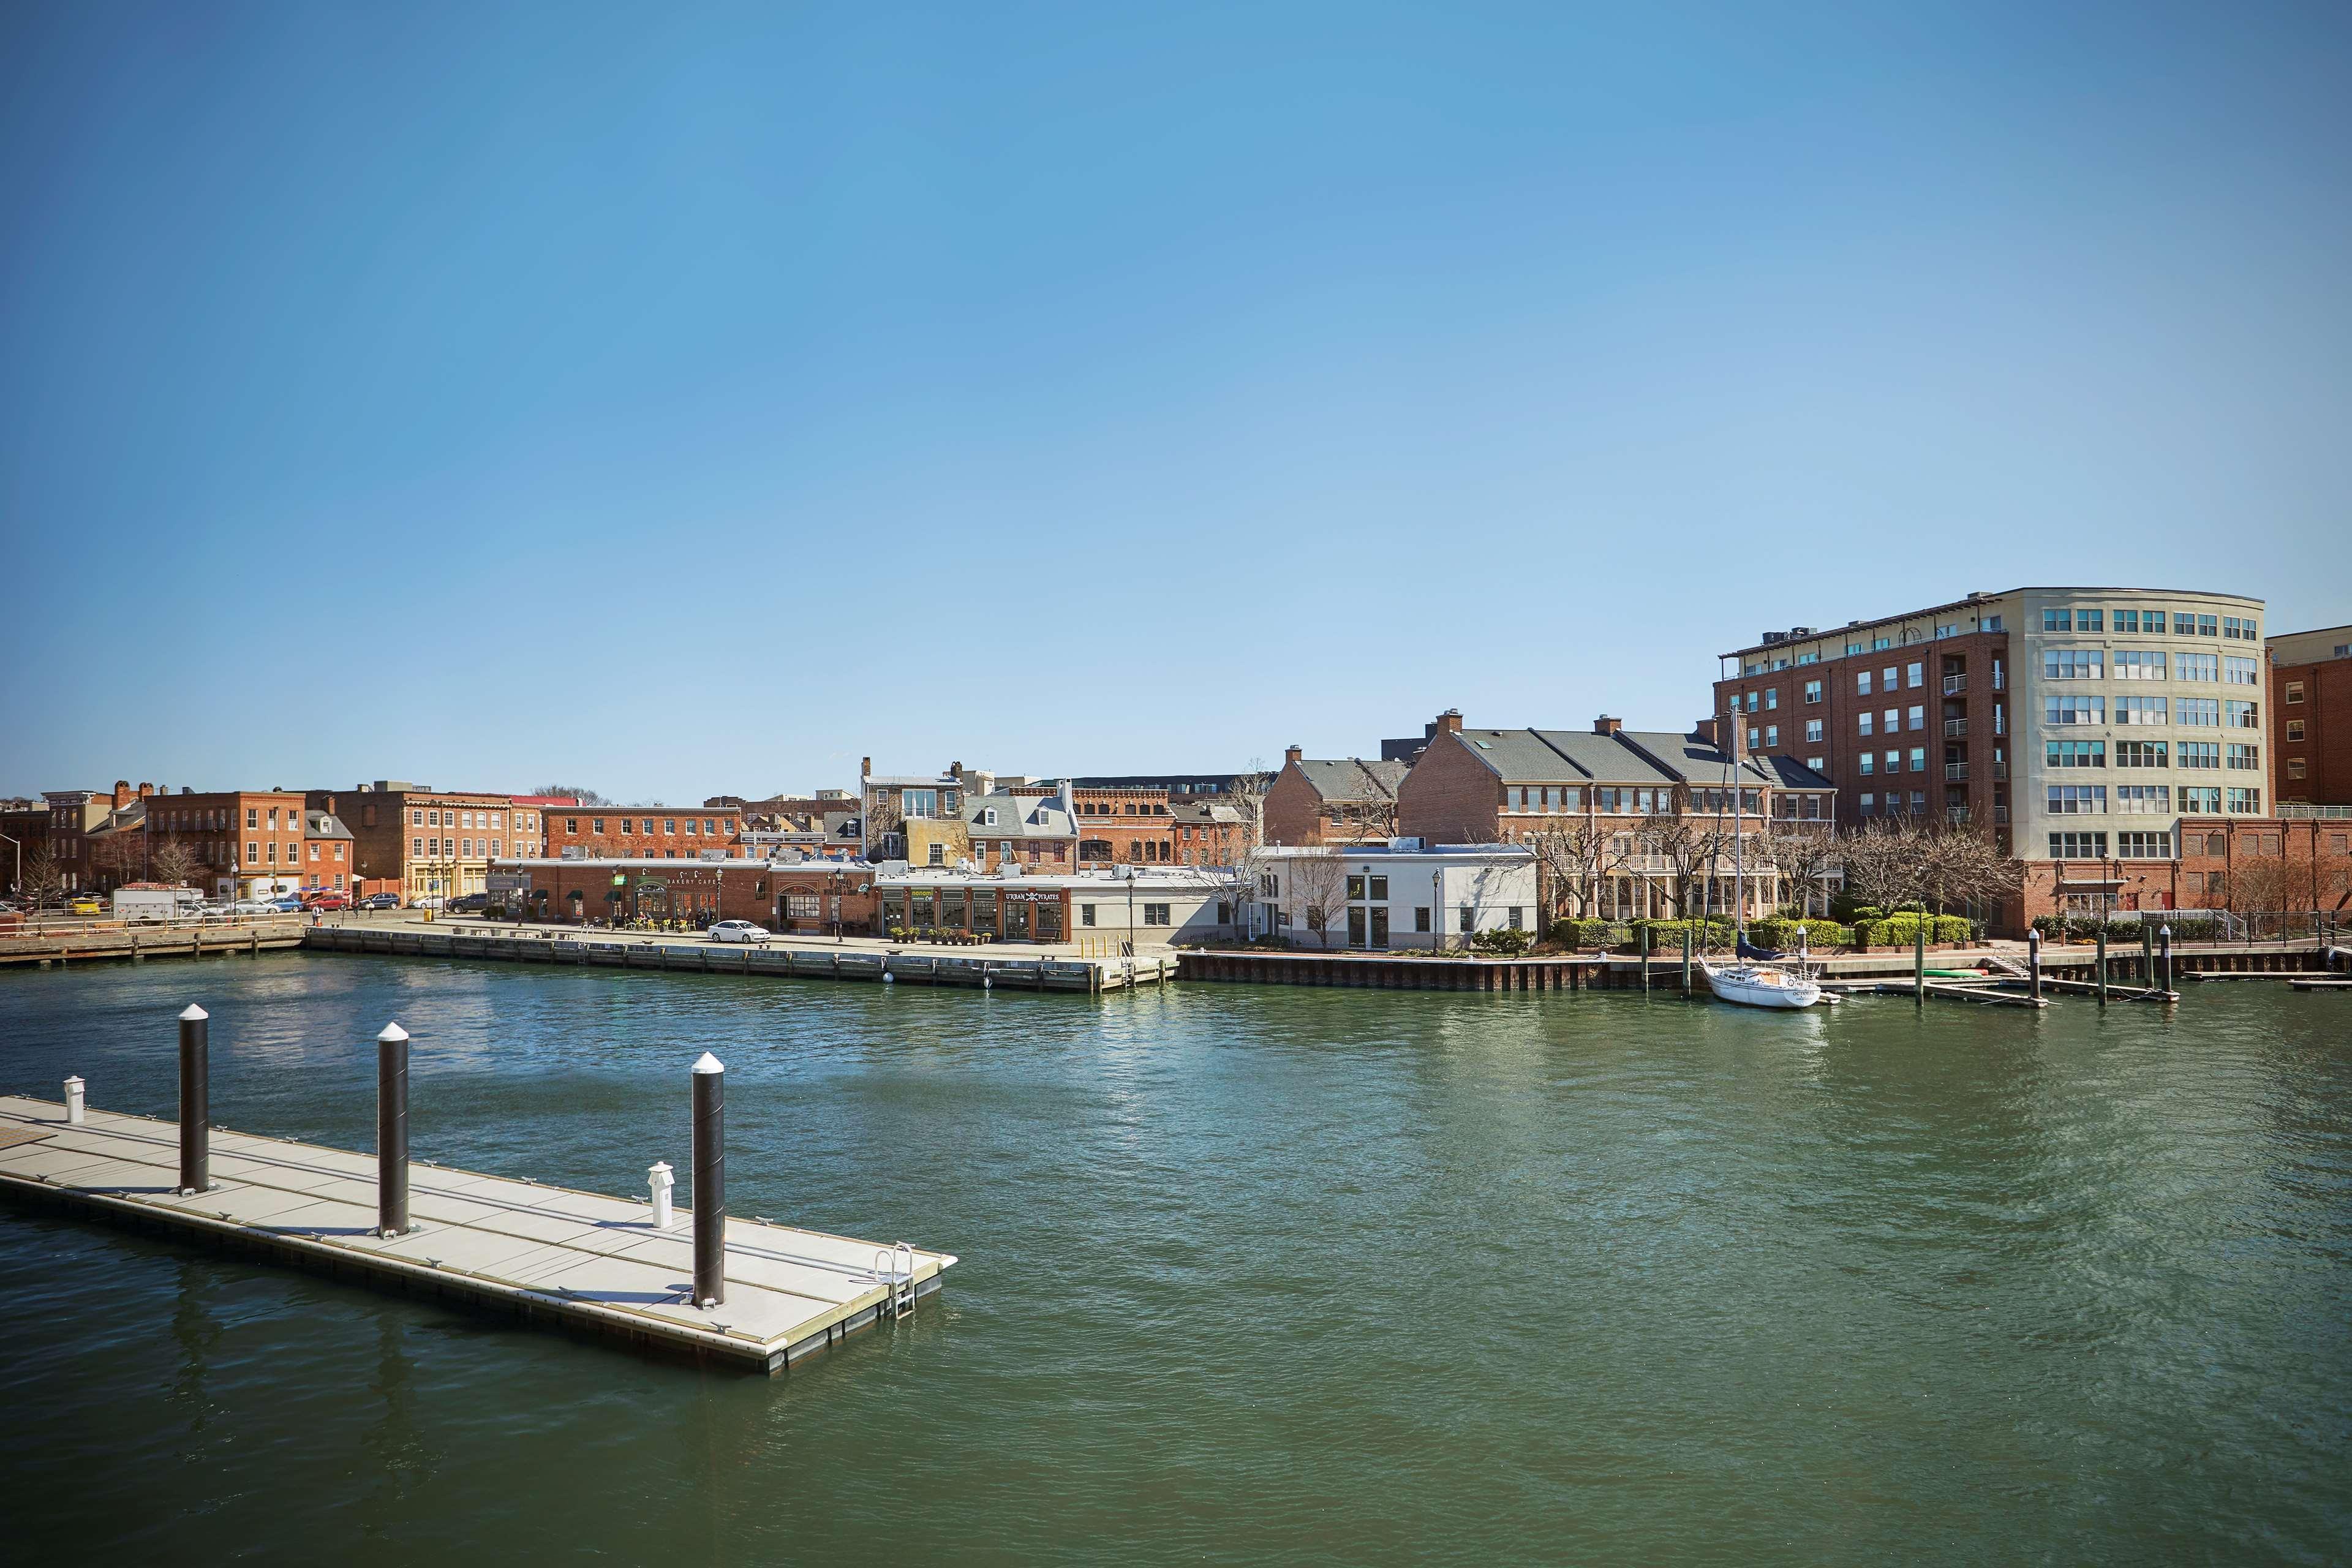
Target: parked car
[[286, 903], [84, 904], [326, 899], [471, 902], [426, 901], [253, 907], [739, 931], [380, 902]]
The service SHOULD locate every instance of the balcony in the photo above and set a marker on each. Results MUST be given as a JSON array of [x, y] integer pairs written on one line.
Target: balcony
[[2301, 810], [2001, 770], [1955, 684], [1954, 729], [2001, 813], [1956, 773]]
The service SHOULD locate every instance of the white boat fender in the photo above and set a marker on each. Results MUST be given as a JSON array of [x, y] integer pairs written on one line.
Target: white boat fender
[[888, 977]]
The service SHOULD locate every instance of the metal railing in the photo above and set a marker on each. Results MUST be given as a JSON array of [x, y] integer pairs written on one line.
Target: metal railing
[[1955, 728], [2305, 811], [1956, 773], [1955, 684]]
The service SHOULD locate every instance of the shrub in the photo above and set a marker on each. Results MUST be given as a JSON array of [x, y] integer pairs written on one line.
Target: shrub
[[1589, 933], [1781, 931], [1902, 930], [1504, 943]]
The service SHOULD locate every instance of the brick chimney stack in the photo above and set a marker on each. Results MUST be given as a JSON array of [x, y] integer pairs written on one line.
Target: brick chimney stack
[[1291, 754], [1707, 729], [1448, 724], [122, 795], [1605, 725]]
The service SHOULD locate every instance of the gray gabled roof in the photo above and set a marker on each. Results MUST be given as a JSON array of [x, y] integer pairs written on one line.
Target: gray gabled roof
[[1562, 756], [1699, 764], [1018, 816], [323, 825], [1789, 773], [1352, 778]]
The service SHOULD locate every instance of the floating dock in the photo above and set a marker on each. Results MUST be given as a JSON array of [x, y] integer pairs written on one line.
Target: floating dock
[[1000, 969], [548, 1256]]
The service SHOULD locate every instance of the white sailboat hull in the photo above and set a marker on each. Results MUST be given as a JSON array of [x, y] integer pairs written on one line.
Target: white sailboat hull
[[1755, 986]]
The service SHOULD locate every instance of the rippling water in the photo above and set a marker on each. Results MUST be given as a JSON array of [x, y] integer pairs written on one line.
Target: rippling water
[[1250, 1275]]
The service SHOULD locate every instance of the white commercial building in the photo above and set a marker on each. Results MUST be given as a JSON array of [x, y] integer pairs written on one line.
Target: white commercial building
[[1396, 895]]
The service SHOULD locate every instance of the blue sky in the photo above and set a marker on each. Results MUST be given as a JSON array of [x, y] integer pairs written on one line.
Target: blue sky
[[696, 399]]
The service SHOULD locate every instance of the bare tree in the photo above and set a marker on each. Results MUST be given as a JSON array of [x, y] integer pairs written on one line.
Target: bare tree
[[1803, 854], [172, 862], [1576, 858], [1882, 864], [2261, 884], [584, 795], [118, 855], [1246, 796], [1691, 845], [42, 881], [883, 826], [1318, 888]]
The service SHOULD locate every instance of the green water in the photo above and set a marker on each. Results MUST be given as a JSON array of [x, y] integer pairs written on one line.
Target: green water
[[1250, 1276]]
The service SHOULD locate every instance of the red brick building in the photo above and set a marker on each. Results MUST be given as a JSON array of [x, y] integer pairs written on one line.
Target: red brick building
[[1343, 800], [643, 832], [2247, 866], [431, 843], [244, 842], [2311, 705]]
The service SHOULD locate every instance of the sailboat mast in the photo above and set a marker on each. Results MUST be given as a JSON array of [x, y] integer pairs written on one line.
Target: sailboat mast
[[1738, 846]]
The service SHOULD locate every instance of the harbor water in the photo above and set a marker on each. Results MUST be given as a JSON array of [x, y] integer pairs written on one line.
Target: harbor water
[[1249, 1275]]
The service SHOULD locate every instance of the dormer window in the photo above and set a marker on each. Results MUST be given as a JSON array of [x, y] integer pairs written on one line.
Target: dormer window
[[988, 816]]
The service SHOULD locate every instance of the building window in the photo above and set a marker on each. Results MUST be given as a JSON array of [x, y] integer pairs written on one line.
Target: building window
[[1085, 914], [2057, 620], [1819, 764], [2072, 664], [2078, 800], [1918, 718], [670, 825], [1868, 761], [919, 803], [2074, 711], [252, 853], [2078, 847], [1913, 674], [1918, 759], [1862, 723], [2076, 754], [1771, 697], [596, 824], [2139, 710], [1771, 734], [2088, 620], [1466, 918], [2206, 626], [2136, 664], [1813, 692], [2140, 753], [1862, 683], [1156, 914], [2295, 767], [2143, 800], [2241, 671], [2197, 711], [2197, 667], [2245, 757], [2144, 846], [2245, 802], [2199, 754], [2200, 800], [2294, 729], [1813, 731], [2241, 716], [1869, 802], [2294, 691]]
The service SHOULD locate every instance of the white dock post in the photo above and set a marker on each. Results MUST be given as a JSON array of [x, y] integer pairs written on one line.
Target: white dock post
[[74, 1101], [2033, 965], [710, 1077], [195, 1101], [660, 1179]]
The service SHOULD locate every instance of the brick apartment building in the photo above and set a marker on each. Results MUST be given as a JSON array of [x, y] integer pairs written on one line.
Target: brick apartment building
[[1342, 800], [428, 843], [244, 843], [2082, 724], [2311, 711], [643, 832], [1505, 786], [2250, 866]]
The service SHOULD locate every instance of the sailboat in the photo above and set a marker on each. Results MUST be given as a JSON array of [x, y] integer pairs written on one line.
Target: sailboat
[[1756, 977]]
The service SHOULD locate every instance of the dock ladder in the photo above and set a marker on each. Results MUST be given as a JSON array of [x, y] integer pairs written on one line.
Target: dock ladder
[[901, 1281]]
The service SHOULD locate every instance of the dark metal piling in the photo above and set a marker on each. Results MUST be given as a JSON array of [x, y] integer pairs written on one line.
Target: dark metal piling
[[1919, 962], [2102, 967], [710, 1077], [392, 1130], [195, 1100]]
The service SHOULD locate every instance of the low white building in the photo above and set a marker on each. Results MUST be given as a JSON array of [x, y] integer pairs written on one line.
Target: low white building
[[1397, 895], [1155, 908]]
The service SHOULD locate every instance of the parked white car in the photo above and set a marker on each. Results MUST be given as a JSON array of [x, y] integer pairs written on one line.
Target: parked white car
[[252, 907], [739, 931]]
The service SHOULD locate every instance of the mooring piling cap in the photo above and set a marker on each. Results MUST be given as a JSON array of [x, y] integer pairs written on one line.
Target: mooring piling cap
[[392, 1035], [194, 1014], [708, 1063]]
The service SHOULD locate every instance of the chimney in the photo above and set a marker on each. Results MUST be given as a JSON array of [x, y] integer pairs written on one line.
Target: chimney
[[1068, 809], [1291, 754], [122, 795], [1707, 729], [1447, 723], [1605, 725]]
